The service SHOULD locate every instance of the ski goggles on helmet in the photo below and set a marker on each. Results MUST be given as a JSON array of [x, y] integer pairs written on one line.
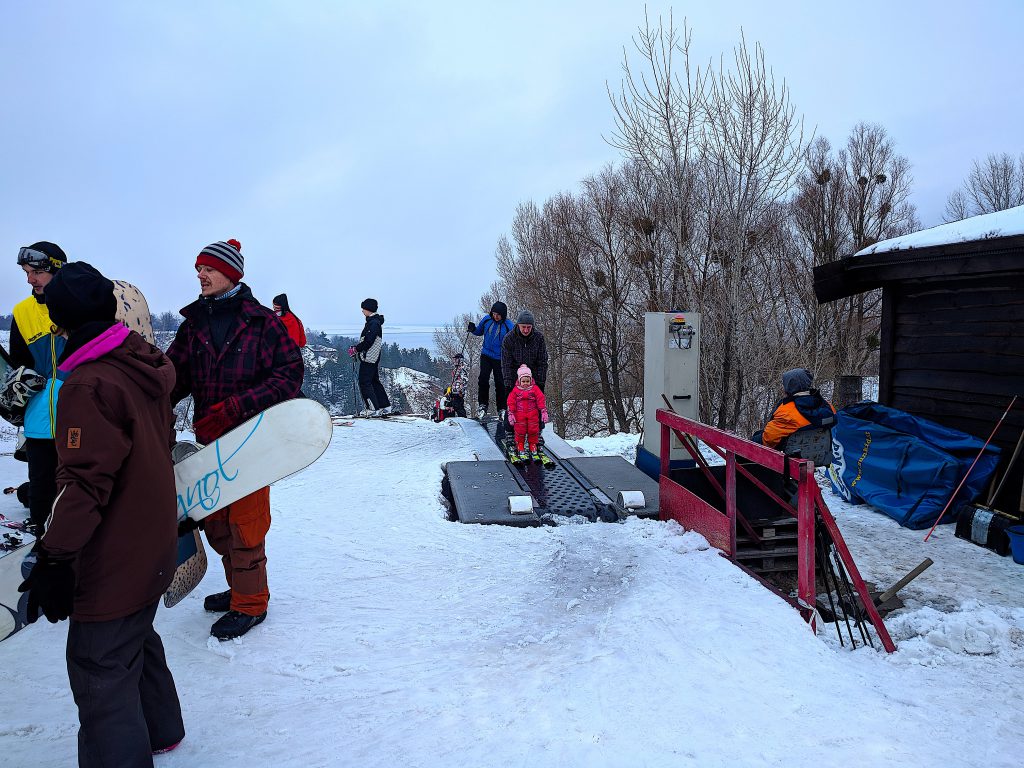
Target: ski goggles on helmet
[[38, 260]]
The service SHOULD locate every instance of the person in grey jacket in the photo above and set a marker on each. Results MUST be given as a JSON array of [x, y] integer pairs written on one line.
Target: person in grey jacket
[[367, 352], [525, 345]]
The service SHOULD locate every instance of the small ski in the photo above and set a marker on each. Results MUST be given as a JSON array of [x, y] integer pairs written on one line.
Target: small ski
[[546, 461], [512, 452]]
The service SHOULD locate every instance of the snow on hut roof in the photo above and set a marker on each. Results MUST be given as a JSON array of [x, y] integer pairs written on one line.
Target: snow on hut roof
[[985, 227]]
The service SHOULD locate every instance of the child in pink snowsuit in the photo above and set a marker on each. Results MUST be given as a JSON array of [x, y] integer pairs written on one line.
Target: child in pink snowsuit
[[526, 409]]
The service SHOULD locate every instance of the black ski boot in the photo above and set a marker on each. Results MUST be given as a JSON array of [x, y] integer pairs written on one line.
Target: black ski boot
[[234, 624], [218, 603]]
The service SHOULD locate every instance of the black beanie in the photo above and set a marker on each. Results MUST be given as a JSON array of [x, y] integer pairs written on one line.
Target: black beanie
[[370, 305], [500, 308], [282, 301], [79, 294]]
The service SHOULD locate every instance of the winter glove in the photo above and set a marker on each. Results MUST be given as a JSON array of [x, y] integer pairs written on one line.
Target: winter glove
[[351, 351], [186, 526], [511, 420], [471, 327], [51, 588], [222, 417], [544, 415]]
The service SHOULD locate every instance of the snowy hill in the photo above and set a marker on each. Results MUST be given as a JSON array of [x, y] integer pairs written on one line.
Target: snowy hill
[[396, 638], [419, 389]]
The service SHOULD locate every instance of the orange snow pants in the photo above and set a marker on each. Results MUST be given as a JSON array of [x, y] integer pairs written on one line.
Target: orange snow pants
[[238, 534]]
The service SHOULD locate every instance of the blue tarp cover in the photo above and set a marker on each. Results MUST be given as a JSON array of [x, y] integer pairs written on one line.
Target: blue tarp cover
[[904, 465]]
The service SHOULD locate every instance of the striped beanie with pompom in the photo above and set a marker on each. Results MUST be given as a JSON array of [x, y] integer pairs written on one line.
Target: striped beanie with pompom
[[225, 257]]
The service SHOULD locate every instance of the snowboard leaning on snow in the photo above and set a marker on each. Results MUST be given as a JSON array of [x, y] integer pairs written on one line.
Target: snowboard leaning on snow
[[268, 447], [15, 563]]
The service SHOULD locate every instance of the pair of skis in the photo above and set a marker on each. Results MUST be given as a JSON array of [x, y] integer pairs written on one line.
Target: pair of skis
[[513, 456]]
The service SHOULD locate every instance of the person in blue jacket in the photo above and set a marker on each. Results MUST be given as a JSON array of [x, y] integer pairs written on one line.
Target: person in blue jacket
[[493, 328]]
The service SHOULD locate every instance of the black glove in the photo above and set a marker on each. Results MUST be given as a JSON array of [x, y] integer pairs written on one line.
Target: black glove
[[186, 526], [471, 327], [51, 588]]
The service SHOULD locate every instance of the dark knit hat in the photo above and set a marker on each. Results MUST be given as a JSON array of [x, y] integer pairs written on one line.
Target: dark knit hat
[[43, 255], [225, 257], [499, 308], [281, 300], [78, 294], [797, 380], [525, 318], [370, 305]]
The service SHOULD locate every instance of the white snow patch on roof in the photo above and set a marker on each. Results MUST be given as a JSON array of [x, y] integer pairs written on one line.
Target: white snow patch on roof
[[985, 227]]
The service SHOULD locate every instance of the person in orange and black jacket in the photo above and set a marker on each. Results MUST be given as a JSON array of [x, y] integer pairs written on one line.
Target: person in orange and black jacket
[[291, 322], [110, 545], [802, 408], [235, 358]]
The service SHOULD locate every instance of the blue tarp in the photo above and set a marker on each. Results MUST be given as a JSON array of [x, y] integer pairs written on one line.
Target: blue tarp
[[904, 465]]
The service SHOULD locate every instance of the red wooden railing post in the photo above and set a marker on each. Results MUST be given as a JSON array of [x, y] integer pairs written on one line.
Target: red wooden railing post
[[730, 499], [806, 589], [666, 450]]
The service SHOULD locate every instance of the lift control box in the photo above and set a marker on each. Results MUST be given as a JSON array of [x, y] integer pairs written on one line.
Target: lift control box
[[672, 369]]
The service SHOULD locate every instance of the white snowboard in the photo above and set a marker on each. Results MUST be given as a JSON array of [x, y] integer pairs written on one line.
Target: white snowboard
[[276, 443]]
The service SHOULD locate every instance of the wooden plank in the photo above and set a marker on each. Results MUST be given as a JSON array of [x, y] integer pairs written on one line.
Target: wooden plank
[[979, 356], [942, 364], [928, 324], [1008, 384], [886, 350]]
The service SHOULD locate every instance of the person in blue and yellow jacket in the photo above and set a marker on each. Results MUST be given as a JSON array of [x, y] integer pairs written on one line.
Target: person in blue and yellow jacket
[[801, 408], [35, 346]]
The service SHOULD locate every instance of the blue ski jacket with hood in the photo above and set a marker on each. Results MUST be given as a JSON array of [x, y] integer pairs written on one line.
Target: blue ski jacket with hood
[[494, 332]]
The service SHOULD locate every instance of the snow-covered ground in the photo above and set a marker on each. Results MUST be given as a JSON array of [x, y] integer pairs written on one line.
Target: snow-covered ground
[[396, 638]]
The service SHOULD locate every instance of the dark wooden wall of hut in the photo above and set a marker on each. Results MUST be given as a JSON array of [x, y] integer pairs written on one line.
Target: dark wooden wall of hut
[[953, 351]]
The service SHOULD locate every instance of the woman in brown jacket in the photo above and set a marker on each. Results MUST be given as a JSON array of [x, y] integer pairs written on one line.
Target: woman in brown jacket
[[110, 546]]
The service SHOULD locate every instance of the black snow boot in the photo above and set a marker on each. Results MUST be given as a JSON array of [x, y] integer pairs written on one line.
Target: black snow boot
[[218, 603], [234, 624]]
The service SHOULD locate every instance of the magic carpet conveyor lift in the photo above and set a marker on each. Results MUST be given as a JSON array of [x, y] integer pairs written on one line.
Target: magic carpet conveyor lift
[[491, 490], [608, 488]]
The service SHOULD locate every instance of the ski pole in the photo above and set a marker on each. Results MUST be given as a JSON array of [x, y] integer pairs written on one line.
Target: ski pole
[[355, 399], [976, 458]]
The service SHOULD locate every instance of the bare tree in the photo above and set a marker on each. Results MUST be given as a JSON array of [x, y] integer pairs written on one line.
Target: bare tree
[[845, 201], [878, 187], [657, 117], [755, 145], [994, 184]]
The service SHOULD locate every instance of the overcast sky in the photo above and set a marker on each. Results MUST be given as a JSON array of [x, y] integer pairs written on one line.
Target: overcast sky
[[379, 148]]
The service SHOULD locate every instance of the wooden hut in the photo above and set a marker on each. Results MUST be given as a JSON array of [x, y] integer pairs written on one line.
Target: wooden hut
[[952, 340]]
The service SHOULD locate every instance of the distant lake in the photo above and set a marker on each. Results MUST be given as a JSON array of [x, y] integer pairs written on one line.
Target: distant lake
[[405, 336]]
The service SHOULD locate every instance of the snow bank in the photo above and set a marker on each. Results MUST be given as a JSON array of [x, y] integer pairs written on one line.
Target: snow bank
[[396, 638], [985, 227], [622, 444]]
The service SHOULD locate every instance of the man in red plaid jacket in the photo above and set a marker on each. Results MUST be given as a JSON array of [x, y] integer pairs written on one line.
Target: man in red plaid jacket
[[236, 359]]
